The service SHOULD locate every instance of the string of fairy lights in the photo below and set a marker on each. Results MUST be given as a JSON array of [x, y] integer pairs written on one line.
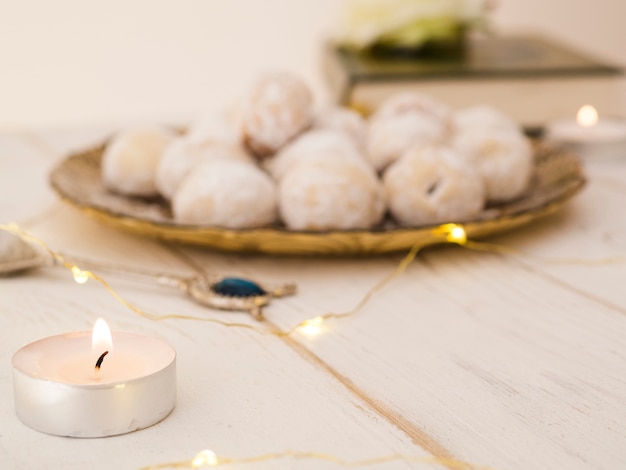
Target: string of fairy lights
[[208, 458], [454, 234], [447, 233]]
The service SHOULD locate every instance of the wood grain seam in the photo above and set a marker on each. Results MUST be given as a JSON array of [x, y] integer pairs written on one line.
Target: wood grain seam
[[181, 255], [609, 184], [537, 271], [38, 218], [572, 288], [418, 436], [35, 141]]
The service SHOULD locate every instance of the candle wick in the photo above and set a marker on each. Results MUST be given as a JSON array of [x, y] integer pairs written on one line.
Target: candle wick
[[100, 359]]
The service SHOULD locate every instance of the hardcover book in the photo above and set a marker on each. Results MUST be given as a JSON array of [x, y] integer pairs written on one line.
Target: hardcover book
[[532, 79]]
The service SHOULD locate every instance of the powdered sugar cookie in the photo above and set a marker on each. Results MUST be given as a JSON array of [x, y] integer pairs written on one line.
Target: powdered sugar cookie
[[130, 161], [504, 159], [408, 102], [227, 194], [314, 145], [433, 185], [183, 154], [484, 117], [277, 109], [389, 137], [343, 120], [330, 194], [213, 127]]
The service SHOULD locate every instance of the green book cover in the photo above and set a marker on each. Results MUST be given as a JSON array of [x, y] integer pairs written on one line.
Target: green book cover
[[484, 58]]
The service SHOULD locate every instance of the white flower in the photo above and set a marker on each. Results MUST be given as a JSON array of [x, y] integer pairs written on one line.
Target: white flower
[[366, 21]]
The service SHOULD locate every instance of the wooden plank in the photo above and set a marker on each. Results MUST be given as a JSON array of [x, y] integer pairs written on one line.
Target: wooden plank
[[26, 193], [241, 393], [22, 167], [583, 247], [606, 168], [501, 360], [487, 359], [64, 141], [477, 351]]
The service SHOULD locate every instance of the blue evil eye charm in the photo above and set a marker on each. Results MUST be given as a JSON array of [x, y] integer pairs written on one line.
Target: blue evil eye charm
[[235, 293], [237, 287]]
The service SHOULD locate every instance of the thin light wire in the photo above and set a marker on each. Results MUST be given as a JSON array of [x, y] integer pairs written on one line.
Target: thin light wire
[[201, 460], [448, 233], [400, 269], [82, 276], [507, 250]]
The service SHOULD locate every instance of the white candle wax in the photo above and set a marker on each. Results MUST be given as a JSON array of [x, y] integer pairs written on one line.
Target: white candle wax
[[604, 137], [604, 131], [58, 391]]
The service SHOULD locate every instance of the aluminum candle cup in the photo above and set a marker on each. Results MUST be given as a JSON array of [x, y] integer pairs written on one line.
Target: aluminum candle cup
[[58, 390], [590, 136]]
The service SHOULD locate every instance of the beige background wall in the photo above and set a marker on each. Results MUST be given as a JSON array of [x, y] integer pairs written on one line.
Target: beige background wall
[[73, 62]]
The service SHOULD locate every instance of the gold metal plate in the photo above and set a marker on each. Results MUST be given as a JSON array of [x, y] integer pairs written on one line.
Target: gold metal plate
[[558, 176]]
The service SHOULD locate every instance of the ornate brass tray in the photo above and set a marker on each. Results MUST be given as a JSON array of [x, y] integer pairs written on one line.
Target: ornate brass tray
[[558, 176]]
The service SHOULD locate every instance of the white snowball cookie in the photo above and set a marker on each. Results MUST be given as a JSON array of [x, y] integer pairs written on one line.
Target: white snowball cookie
[[343, 120], [431, 186], [504, 158], [483, 117], [211, 128], [314, 145], [183, 154], [129, 162], [391, 136], [227, 194], [277, 108], [409, 102], [331, 195]]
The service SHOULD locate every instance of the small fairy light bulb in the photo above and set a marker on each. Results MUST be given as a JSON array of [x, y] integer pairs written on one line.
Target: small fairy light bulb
[[205, 458], [311, 327], [80, 276], [457, 234]]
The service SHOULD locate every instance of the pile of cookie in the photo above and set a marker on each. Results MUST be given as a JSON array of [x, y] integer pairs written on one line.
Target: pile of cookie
[[277, 161]]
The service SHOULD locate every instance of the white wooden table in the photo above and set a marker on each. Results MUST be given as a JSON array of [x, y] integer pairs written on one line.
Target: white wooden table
[[505, 362]]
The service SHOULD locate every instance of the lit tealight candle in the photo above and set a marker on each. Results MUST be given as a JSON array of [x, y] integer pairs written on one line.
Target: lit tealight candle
[[590, 135], [94, 384]]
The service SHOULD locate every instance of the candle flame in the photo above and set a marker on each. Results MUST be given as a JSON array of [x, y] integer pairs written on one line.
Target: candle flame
[[101, 337], [587, 116]]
